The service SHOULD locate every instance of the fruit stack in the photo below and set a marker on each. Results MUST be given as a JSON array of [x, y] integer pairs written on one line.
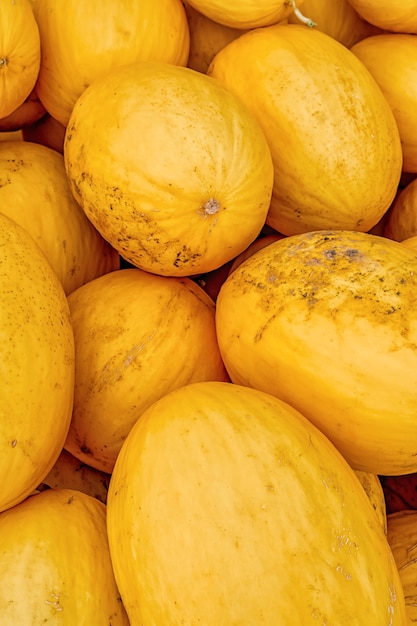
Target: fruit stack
[[208, 339]]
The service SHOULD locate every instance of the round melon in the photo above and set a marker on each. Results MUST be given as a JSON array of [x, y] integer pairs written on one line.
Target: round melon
[[170, 167]]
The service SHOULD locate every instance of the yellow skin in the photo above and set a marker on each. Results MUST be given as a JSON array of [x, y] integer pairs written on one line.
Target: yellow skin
[[401, 220], [20, 54], [391, 59], [97, 36], [373, 488], [37, 196], [389, 15], [170, 167], [55, 564], [329, 326], [332, 135], [226, 506], [137, 337], [37, 364], [337, 19], [245, 14]]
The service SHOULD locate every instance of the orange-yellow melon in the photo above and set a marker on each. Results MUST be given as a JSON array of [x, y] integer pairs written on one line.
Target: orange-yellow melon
[[338, 19], [84, 40], [389, 15], [245, 14], [326, 321], [333, 137], [20, 54], [226, 506], [171, 168], [36, 365], [35, 193], [391, 58], [137, 336], [55, 565]]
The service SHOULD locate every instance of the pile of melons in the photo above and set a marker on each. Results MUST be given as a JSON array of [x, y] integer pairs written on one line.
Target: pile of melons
[[208, 321]]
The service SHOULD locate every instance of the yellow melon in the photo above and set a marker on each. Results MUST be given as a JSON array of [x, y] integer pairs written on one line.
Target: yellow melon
[[36, 364], [35, 193], [55, 565], [326, 321], [226, 506], [81, 41], [170, 167], [333, 137], [137, 336]]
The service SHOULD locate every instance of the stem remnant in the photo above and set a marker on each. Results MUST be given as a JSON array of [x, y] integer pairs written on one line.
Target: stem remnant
[[305, 20]]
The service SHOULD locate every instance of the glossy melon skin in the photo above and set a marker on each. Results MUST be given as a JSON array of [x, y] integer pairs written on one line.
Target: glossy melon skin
[[170, 167], [35, 193], [244, 13], [391, 58], [390, 15], [137, 337], [226, 506], [97, 36], [330, 327], [36, 364], [55, 565], [20, 54], [333, 137]]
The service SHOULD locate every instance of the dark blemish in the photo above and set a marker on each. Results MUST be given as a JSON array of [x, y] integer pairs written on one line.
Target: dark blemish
[[351, 252], [185, 256]]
